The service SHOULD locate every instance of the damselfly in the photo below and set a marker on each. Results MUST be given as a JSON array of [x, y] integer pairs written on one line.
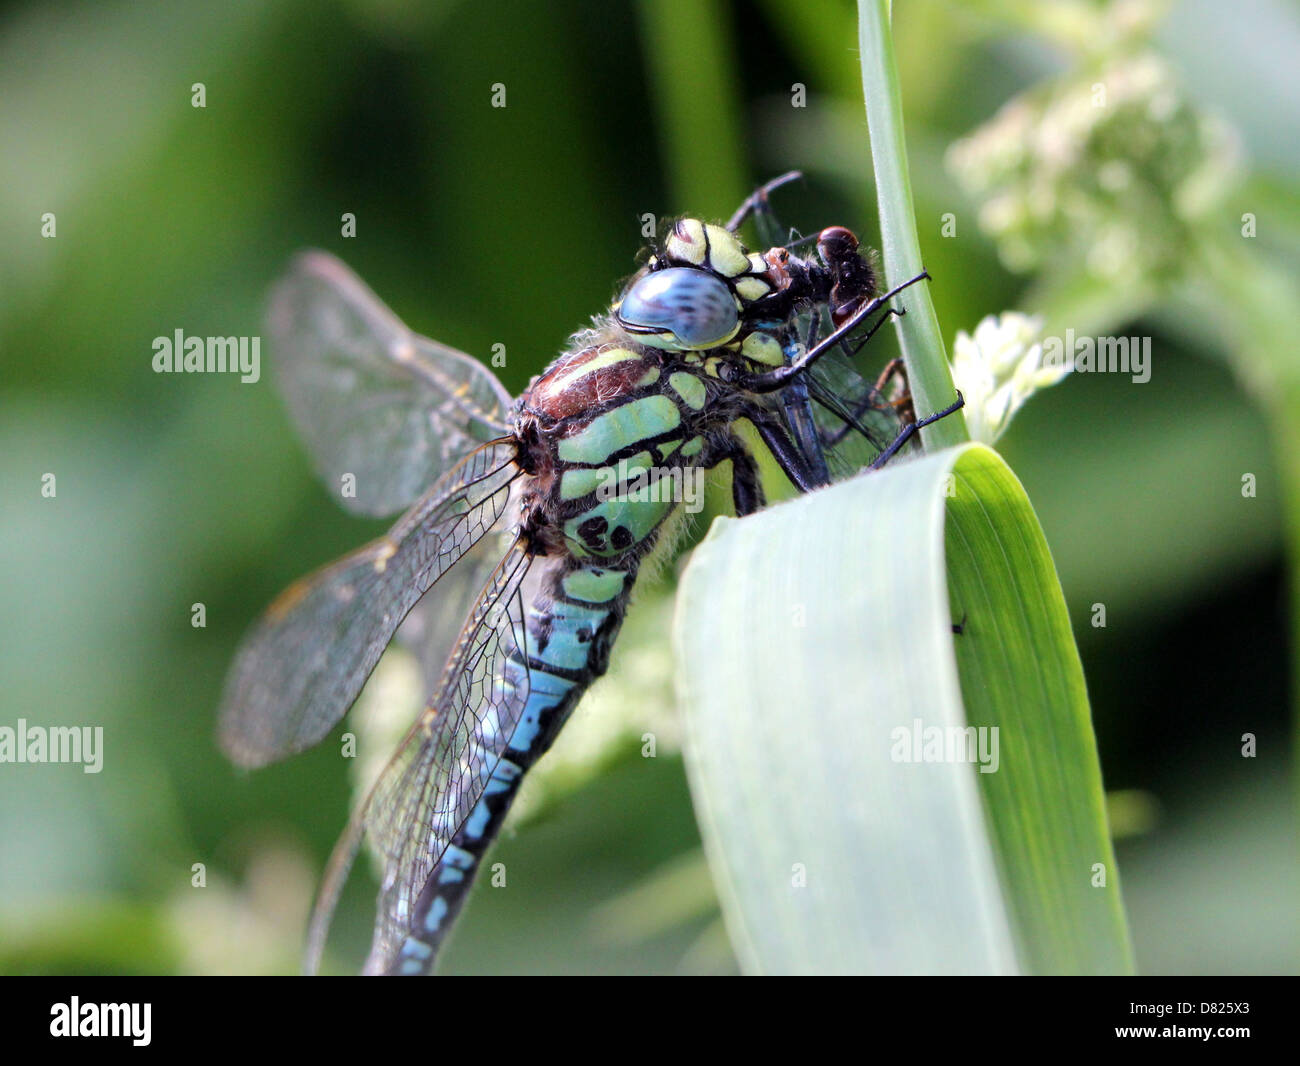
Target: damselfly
[[705, 334]]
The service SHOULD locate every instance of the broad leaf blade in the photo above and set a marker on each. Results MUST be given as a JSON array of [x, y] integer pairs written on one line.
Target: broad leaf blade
[[1020, 671], [811, 641]]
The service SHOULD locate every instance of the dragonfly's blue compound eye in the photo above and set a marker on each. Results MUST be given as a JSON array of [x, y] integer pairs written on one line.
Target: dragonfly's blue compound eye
[[680, 308]]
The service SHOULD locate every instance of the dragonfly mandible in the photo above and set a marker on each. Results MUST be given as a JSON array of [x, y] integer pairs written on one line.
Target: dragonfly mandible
[[704, 334]]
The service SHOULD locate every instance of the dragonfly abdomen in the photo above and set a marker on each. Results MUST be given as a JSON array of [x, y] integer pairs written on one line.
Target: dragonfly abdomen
[[607, 436], [571, 623]]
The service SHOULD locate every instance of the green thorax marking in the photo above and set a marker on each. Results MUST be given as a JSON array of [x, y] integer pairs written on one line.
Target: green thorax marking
[[616, 429], [690, 388], [579, 481]]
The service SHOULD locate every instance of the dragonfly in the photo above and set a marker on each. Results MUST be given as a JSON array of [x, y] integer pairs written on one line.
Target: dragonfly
[[544, 497]]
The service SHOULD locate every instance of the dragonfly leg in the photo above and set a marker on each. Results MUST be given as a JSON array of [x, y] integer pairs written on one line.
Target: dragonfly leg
[[895, 370], [746, 489], [894, 364], [788, 457], [778, 378], [851, 352], [814, 327], [757, 200], [910, 429]]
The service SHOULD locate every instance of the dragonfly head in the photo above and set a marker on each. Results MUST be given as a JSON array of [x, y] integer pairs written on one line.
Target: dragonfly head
[[693, 293], [679, 307]]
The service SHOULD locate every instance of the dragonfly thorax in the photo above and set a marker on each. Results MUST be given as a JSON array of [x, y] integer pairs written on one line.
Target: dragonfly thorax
[[617, 434]]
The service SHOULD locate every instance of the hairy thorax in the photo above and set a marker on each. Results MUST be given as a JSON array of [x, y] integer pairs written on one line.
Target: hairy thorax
[[604, 431]]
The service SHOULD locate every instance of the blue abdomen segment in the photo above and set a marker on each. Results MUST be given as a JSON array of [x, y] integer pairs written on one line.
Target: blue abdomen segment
[[569, 628]]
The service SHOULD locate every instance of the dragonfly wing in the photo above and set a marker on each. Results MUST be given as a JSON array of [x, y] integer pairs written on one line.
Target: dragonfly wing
[[439, 773], [370, 397], [432, 628], [306, 660], [854, 420]]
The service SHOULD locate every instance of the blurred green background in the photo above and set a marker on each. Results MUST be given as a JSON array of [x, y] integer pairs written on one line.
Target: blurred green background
[[482, 226]]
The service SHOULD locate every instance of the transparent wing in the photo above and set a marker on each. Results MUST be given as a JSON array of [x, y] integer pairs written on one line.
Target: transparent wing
[[439, 773], [434, 624], [855, 421], [303, 664], [370, 397]]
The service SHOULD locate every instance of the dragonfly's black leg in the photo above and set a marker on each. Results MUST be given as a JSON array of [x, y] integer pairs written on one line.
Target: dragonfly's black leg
[[960, 627], [788, 457], [778, 378], [746, 489], [890, 312], [851, 350], [892, 366], [812, 440], [757, 201], [910, 429]]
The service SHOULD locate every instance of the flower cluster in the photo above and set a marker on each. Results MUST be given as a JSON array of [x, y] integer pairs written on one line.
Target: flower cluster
[[998, 369], [1107, 166]]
